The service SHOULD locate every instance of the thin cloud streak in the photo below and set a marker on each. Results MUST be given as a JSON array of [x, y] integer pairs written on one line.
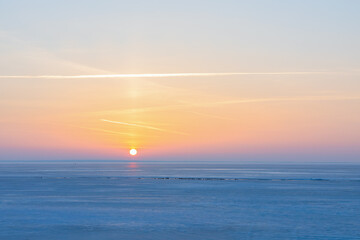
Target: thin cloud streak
[[184, 104], [107, 131], [288, 99], [155, 75], [210, 115], [143, 126]]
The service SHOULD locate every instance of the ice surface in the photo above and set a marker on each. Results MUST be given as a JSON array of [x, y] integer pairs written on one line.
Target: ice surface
[[179, 201]]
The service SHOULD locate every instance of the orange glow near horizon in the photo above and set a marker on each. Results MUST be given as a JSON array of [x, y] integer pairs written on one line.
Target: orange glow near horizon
[[168, 117]]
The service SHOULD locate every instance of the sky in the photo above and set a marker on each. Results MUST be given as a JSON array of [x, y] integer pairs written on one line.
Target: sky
[[180, 80]]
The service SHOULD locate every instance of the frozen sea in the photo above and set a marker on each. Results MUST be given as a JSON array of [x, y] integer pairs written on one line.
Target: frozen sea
[[199, 201]]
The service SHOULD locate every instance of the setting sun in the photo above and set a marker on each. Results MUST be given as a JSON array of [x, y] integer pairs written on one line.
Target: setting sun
[[133, 152]]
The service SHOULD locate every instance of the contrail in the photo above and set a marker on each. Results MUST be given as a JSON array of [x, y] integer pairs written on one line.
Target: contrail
[[154, 75], [143, 126]]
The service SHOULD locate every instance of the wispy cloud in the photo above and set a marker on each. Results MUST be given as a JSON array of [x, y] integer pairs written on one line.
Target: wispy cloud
[[39, 54], [210, 115], [186, 105], [283, 99], [108, 131], [154, 75], [143, 126]]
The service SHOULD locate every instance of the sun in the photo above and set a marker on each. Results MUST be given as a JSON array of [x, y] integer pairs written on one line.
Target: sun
[[133, 152]]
